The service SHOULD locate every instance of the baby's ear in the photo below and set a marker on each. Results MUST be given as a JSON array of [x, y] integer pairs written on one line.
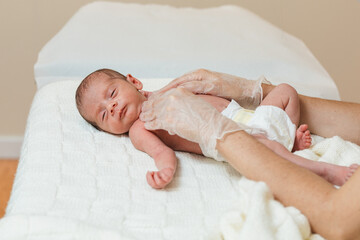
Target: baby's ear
[[134, 81]]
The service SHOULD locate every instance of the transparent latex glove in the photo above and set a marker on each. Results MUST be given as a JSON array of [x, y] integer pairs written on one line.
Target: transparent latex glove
[[248, 93], [180, 112]]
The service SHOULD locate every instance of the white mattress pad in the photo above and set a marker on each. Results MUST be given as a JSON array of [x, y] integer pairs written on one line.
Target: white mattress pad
[[69, 170]]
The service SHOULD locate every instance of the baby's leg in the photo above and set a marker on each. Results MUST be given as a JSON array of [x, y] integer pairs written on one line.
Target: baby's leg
[[285, 97], [334, 174]]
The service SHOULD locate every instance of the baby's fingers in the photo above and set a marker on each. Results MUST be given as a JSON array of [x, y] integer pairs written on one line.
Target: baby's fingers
[[164, 176], [154, 180], [158, 179], [150, 179]]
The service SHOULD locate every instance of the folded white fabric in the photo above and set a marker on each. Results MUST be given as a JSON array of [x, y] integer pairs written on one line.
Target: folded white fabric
[[259, 216]]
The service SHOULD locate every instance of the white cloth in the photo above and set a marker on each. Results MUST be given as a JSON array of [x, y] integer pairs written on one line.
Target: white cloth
[[272, 120]]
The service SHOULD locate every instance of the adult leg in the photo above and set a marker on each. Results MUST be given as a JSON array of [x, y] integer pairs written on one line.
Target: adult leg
[[328, 118], [296, 186]]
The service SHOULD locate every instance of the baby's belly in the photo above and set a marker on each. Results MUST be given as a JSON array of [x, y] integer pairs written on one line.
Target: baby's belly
[[180, 144]]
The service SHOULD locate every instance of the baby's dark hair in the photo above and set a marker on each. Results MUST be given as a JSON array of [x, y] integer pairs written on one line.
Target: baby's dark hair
[[87, 81]]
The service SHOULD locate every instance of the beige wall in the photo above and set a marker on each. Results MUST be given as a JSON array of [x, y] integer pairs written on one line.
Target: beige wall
[[330, 28]]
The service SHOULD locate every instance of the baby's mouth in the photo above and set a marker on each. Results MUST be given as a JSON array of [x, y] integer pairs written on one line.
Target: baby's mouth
[[122, 112]]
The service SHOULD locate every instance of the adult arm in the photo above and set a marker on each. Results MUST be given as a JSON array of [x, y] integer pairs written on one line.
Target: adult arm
[[248, 93], [333, 213], [326, 118]]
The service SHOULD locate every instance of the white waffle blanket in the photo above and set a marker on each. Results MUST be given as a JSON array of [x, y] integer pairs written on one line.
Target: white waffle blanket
[[74, 182]]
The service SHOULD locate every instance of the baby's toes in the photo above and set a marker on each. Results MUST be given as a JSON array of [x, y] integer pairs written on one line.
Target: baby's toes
[[354, 167], [303, 127], [352, 170]]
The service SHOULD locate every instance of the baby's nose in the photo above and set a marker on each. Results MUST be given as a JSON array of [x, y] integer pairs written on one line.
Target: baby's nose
[[113, 106]]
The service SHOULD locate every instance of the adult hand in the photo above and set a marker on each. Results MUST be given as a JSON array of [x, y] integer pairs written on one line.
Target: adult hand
[[180, 112], [247, 93]]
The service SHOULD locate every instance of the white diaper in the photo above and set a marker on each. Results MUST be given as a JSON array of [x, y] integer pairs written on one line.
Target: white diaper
[[272, 120]]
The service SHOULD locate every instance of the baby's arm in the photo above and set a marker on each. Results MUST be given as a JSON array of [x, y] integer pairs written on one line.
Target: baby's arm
[[164, 157]]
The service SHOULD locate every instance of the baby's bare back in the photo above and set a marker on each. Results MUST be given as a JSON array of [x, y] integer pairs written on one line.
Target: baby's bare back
[[179, 144]]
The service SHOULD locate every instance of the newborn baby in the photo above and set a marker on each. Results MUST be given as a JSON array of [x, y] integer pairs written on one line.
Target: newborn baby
[[112, 102]]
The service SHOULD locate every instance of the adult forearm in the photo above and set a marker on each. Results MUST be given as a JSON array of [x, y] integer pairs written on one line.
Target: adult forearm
[[329, 118], [290, 184]]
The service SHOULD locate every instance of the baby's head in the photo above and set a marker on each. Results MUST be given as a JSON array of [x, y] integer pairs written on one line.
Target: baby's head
[[110, 101]]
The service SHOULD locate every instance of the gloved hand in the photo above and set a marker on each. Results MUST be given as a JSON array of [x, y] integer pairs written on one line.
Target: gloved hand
[[247, 93], [180, 112]]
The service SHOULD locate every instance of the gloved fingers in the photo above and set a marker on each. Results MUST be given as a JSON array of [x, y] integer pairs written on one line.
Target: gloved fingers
[[146, 116], [173, 84], [147, 111], [160, 124], [147, 105], [147, 94], [195, 87], [152, 124], [197, 76]]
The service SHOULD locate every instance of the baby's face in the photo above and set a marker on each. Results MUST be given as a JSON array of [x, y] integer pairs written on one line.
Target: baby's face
[[113, 104]]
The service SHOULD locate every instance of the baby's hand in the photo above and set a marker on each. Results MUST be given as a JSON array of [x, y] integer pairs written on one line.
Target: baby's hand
[[160, 178]]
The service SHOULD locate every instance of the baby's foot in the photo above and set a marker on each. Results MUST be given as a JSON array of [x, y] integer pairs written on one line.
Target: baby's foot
[[302, 138], [352, 169], [338, 175]]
